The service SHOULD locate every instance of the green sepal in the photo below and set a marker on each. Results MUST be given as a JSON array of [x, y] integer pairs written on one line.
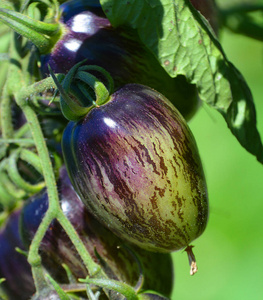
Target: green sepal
[[101, 92], [43, 35], [81, 91], [108, 80], [70, 109]]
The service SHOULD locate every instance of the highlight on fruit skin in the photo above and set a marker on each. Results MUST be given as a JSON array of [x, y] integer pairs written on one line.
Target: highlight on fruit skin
[[90, 36], [135, 165], [84, 32]]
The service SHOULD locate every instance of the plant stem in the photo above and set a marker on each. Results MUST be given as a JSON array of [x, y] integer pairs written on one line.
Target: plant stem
[[13, 83], [47, 171], [24, 95], [28, 142], [94, 269], [54, 210], [6, 115]]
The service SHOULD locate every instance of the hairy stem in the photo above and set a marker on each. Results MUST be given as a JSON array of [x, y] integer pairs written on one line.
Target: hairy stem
[[13, 83], [54, 210], [94, 269]]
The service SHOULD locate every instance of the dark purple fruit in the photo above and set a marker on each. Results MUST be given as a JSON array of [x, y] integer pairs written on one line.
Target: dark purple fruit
[[89, 35], [14, 267]]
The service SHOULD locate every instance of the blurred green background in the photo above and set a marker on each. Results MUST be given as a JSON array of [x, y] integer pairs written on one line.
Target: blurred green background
[[230, 252]]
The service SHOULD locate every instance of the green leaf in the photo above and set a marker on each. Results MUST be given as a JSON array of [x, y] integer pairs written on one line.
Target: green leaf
[[184, 43]]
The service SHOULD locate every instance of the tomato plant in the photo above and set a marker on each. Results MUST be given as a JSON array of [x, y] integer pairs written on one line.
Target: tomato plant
[[106, 88]]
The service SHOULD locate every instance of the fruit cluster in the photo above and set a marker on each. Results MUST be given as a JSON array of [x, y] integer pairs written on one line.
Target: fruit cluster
[[101, 177]]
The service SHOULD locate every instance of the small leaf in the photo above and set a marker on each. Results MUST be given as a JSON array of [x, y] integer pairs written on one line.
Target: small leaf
[[184, 43], [70, 109]]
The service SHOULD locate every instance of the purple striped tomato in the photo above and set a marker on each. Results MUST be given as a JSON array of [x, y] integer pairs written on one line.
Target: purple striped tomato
[[135, 164]]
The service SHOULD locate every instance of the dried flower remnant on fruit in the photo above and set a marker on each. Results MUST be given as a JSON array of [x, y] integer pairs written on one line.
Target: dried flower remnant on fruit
[[192, 260]]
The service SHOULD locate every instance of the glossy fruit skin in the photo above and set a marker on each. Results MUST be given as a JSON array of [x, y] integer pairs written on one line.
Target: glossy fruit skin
[[135, 164], [89, 35], [13, 265], [119, 261], [73, 7]]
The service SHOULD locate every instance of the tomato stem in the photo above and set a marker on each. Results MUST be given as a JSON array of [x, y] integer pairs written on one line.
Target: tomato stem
[[13, 83], [54, 211]]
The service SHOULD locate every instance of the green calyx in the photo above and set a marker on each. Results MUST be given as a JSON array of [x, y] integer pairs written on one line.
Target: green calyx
[[81, 91], [43, 35]]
